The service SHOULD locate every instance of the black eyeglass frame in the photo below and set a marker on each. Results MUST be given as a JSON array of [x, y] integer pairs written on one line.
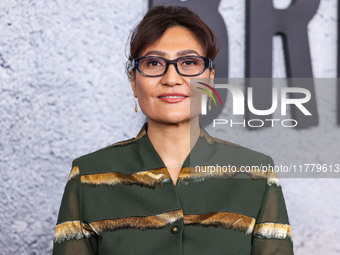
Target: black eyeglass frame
[[135, 64]]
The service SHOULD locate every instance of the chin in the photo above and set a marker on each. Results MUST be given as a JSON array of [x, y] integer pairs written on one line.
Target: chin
[[174, 119]]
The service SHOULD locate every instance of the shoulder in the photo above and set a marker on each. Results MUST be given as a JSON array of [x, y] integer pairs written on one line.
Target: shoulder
[[236, 151], [108, 158], [249, 161]]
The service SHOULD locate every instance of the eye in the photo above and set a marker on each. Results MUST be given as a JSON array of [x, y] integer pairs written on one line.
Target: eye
[[189, 61], [153, 62]]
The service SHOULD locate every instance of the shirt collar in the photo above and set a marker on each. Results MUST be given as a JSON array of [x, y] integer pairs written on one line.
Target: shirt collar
[[148, 152]]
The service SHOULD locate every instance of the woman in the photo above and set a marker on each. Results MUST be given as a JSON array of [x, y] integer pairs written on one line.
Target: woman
[[140, 196]]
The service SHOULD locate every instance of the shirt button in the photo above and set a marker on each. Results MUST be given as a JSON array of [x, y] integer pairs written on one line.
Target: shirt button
[[174, 229]]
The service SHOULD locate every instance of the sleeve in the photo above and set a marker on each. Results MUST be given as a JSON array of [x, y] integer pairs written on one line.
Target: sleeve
[[72, 235], [272, 233]]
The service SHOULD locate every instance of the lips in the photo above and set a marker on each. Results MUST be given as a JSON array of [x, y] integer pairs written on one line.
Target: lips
[[172, 95]]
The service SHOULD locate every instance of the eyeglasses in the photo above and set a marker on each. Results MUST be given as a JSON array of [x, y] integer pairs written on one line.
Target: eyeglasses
[[154, 66]]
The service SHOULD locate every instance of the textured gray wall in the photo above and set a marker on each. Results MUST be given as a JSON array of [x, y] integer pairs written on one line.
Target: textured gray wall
[[64, 93]]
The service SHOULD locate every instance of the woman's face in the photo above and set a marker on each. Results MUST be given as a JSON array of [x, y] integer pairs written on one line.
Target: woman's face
[[176, 42]]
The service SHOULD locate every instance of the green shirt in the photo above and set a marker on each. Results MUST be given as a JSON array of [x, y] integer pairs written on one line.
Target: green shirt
[[121, 200]]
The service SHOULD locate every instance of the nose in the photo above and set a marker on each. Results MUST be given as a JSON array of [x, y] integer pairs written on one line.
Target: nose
[[171, 77]]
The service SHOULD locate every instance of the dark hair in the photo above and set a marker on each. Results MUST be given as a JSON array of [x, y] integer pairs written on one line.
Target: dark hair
[[159, 18]]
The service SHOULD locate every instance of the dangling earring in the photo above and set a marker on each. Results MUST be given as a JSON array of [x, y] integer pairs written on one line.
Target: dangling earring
[[209, 106], [136, 109]]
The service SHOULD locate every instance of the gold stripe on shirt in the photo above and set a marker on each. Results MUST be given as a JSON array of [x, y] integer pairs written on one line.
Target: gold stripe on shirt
[[273, 179], [74, 172], [272, 230], [227, 220], [205, 171], [146, 178], [256, 173], [71, 230], [151, 178], [138, 222]]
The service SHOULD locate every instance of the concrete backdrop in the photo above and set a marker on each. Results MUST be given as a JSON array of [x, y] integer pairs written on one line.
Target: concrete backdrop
[[64, 93]]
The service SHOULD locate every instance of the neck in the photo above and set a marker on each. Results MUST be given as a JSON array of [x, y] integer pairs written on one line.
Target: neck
[[173, 142]]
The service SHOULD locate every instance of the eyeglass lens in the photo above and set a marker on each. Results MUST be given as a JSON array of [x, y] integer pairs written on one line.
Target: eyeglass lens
[[187, 65]]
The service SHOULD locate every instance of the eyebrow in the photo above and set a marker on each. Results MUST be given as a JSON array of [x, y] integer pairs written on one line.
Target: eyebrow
[[163, 53]]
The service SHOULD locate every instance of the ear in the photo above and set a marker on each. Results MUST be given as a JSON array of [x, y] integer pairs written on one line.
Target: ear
[[133, 82], [212, 76]]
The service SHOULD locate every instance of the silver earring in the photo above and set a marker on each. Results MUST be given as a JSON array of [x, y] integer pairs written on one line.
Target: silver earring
[[209, 106]]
